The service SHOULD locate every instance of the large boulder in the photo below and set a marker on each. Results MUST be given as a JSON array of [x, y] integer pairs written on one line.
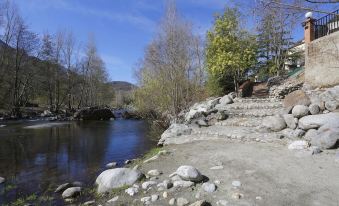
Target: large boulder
[[326, 137], [274, 123], [298, 97], [115, 178], [175, 130], [300, 111], [94, 113], [331, 94], [201, 109], [189, 173], [226, 100], [316, 121]]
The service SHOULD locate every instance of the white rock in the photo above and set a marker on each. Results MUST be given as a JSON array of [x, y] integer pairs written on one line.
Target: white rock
[[220, 167], [2, 180], [316, 121], [226, 100], [299, 111], [114, 199], [154, 173], [111, 165], [132, 191], [209, 187], [182, 183], [182, 201], [189, 173], [274, 123], [115, 178], [165, 194], [236, 183], [258, 198], [145, 199], [331, 105], [298, 145], [154, 197], [175, 130], [290, 121], [326, 137], [71, 192], [60, 188], [92, 202], [166, 184], [172, 201], [147, 184]]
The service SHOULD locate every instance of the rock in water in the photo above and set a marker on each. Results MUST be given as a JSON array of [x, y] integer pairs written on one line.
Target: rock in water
[[298, 97], [314, 109], [2, 180], [274, 123], [298, 145], [71, 192], [111, 165], [209, 187], [94, 113], [189, 173], [115, 178], [326, 137], [316, 121], [63, 187], [300, 111]]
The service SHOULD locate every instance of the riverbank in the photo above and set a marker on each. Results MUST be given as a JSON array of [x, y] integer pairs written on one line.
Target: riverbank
[[244, 174]]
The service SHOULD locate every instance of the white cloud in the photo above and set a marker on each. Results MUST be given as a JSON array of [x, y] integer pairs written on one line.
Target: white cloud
[[132, 17]]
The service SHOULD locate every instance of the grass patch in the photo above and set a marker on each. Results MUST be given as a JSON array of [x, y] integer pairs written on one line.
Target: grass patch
[[147, 155], [23, 200], [118, 191]]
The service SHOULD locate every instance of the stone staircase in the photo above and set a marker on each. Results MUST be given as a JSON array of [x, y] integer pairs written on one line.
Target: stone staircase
[[245, 115]]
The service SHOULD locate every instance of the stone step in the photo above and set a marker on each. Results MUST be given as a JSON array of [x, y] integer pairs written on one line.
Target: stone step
[[253, 112], [234, 132], [251, 105], [241, 121], [252, 100]]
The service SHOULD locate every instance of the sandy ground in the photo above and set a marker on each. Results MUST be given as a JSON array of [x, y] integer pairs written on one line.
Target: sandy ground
[[272, 172]]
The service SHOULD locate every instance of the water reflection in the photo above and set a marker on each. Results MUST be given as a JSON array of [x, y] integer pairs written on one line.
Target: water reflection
[[35, 160]]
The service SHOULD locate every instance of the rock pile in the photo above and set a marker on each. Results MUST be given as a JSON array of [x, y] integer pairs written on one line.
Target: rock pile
[[156, 190], [202, 114], [314, 119], [279, 91]]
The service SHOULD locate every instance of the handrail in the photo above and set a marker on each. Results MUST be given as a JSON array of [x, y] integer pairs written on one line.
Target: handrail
[[326, 25]]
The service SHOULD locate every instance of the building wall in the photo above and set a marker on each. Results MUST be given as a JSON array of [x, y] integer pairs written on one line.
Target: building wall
[[322, 61]]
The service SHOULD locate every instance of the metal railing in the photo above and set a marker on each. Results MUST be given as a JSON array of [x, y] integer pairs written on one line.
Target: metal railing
[[326, 25]]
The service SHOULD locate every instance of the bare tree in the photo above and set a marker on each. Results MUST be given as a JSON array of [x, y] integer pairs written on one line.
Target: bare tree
[[168, 72]]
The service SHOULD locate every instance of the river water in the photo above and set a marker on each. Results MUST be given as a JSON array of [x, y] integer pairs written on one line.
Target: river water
[[36, 156]]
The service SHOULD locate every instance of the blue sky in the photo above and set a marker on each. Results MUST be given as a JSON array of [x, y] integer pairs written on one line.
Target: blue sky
[[122, 28]]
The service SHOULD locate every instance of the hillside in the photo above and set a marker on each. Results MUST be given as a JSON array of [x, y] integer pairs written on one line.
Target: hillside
[[122, 86]]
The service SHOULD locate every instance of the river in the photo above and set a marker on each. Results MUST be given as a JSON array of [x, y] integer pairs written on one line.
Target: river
[[36, 156]]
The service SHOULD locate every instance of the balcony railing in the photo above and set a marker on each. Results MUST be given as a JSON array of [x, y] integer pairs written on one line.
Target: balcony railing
[[326, 25]]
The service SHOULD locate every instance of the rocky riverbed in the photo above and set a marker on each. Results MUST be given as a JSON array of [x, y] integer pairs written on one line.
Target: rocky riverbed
[[232, 173], [230, 151]]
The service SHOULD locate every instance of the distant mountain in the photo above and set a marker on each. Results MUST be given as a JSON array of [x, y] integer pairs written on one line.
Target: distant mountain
[[122, 86]]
